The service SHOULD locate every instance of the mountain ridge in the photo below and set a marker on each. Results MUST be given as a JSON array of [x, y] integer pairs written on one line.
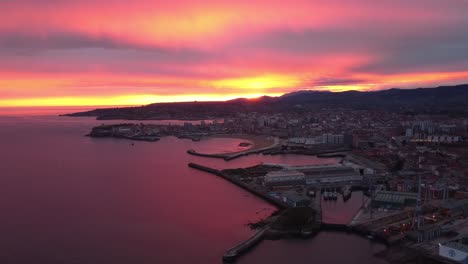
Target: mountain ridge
[[439, 100]]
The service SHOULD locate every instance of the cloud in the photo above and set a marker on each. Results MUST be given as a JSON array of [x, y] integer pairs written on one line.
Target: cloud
[[106, 48]]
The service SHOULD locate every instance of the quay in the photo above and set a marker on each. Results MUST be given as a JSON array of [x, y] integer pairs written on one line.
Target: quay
[[279, 204]]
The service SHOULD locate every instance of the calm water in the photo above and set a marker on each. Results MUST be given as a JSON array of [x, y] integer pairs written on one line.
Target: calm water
[[66, 198]]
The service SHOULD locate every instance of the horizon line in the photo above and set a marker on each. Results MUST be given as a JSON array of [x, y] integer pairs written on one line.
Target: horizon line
[[208, 100]]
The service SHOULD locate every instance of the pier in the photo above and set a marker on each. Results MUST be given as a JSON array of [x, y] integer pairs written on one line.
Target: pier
[[218, 156], [231, 156], [227, 156], [232, 253]]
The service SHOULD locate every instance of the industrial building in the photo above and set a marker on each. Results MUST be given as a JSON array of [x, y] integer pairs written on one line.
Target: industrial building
[[456, 207], [284, 178], [313, 175], [332, 175], [296, 200], [394, 200], [333, 179]]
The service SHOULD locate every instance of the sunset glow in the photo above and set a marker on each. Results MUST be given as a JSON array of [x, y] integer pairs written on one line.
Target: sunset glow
[[119, 52]]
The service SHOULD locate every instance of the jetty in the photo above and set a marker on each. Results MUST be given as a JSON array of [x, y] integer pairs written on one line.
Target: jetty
[[235, 155], [232, 253], [195, 153]]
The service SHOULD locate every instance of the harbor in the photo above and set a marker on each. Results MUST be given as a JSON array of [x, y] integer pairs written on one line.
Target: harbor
[[302, 192], [296, 205]]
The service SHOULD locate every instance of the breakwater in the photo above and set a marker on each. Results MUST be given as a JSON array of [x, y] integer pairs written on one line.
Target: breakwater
[[235, 155], [228, 156], [232, 253], [260, 194], [218, 156]]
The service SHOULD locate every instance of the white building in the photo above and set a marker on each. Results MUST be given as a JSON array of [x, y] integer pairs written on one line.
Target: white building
[[304, 141], [455, 251]]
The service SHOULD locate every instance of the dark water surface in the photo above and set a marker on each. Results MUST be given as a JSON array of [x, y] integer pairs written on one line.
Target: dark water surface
[[66, 198]]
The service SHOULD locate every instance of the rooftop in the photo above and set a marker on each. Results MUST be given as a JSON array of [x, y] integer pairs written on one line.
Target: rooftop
[[394, 197], [458, 246], [452, 204], [282, 173]]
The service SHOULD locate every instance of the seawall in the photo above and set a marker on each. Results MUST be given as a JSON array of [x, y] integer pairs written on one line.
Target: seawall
[[259, 194]]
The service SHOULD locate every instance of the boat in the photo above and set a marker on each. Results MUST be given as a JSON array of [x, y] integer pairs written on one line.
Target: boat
[[346, 193], [334, 195], [326, 195]]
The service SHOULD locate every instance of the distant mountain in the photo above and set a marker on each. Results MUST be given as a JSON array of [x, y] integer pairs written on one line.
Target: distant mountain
[[441, 100]]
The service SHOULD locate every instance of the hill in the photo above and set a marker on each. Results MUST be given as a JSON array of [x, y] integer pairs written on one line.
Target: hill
[[451, 100]]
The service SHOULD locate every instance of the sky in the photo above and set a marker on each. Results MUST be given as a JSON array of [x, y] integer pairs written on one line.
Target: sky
[[120, 52]]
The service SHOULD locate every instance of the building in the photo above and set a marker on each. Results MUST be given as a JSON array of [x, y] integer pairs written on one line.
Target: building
[[444, 139], [409, 132], [394, 200], [455, 250], [333, 139], [456, 207], [296, 200], [324, 175], [329, 176], [425, 233], [284, 178], [304, 142]]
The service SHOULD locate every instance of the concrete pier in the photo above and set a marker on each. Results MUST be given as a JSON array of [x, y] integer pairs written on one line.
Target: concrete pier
[[232, 253], [231, 156], [218, 156]]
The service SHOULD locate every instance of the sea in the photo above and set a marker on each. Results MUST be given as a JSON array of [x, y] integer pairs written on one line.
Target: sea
[[67, 198]]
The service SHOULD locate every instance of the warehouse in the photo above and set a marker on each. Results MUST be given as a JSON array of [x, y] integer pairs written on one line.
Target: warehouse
[[284, 178], [394, 200]]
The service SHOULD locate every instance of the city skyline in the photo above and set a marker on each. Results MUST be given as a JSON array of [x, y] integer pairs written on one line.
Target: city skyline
[[120, 53]]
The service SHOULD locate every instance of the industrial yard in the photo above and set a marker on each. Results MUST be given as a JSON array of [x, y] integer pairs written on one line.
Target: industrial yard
[[425, 222]]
